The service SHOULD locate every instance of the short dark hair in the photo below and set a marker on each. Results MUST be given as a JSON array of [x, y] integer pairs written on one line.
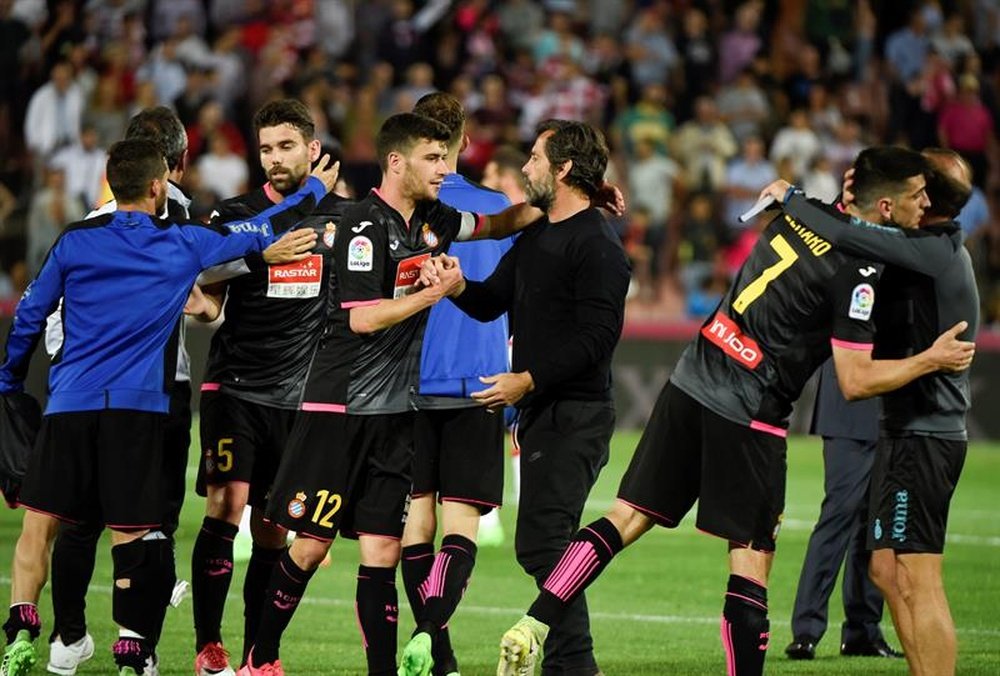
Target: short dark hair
[[447, 110], [285, 111], [947, 194], [161, 126], [401, 132], [132, 165], [510, 159], [582, 144], [884, 170]]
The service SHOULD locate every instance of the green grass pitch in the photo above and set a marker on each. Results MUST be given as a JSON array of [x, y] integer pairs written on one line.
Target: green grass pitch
[[654, 611]]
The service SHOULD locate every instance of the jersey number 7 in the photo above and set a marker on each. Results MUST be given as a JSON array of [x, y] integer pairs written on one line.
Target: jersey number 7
[[754, 290]]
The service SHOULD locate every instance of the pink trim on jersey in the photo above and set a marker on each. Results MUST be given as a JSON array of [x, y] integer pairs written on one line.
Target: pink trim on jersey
[[316, 407], [361, 628], [571, 573], [210, 387], [470, 501], [726, 631], [360, 303], [273, 194], [841, 208], [659, 518], [132, 526], [768, 429], [848, 345]]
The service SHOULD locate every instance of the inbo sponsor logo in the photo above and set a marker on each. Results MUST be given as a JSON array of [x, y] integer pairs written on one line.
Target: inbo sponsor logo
[[725, 334]]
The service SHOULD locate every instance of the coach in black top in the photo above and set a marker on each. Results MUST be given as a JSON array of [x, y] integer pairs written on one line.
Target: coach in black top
[[923, 443], [564, 284]]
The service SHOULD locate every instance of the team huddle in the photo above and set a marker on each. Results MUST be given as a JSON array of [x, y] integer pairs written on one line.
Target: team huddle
[[344, 395]]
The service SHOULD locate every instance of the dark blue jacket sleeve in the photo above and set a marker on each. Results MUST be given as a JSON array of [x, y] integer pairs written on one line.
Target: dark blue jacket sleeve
[[40, 299], [235, 239]]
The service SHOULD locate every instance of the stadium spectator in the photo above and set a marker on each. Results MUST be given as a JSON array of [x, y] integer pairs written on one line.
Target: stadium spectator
[[655, 184], [54, 114], [741, 44], [222, 171], [743, 106], [797, 142], [966, 125], [703, 146], [52, 207], [744, 176], [82, 165], [650, 50]]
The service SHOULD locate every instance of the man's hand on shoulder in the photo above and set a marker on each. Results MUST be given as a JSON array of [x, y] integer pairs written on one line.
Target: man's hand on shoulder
[[326, 172], [610, 197], [293, 246], [778, 190]]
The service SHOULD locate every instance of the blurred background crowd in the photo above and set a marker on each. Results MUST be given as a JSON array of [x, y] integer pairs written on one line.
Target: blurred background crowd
[[703, 103]]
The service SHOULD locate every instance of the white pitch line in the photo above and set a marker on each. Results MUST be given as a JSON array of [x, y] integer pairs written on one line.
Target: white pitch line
[[514, 613]]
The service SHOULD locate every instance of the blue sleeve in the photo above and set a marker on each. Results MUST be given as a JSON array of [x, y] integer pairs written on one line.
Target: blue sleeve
[[40, 299], [235, 239]]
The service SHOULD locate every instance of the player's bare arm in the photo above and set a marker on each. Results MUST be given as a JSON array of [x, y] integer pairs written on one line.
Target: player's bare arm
[[861, 377], [390, 311], [204, 304]]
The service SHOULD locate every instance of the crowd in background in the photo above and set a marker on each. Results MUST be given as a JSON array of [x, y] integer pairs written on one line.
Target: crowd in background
[[703, 103]]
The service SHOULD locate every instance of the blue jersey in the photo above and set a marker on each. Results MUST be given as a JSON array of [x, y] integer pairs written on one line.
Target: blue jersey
[[458, 349], [124, 278]]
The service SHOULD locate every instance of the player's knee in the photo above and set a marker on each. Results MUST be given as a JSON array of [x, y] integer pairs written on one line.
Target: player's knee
[[630, 522], [268, 535], [882, 571], [308, 553], [378, 552], [225, 502]]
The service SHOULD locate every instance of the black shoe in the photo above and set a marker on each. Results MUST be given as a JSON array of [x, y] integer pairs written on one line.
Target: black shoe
[[802, 648], [876, 648]]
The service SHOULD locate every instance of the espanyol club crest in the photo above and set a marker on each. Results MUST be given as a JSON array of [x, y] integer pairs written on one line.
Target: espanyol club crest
[[329, 234], [430, 239], [297, 506]]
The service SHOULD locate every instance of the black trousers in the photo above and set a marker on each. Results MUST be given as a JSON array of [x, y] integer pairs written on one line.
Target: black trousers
[[564, 445], [75, 548], [839, 533]]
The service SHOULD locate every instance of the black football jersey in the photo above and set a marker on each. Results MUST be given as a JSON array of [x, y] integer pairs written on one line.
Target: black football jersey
[[794, 296], [274, 314], [377, 256]]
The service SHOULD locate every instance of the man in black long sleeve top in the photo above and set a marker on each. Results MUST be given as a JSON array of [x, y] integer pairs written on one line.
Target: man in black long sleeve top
[[564, 284]]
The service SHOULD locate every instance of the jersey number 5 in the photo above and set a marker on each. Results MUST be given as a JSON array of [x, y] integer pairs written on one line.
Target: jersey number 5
[[754, 290]]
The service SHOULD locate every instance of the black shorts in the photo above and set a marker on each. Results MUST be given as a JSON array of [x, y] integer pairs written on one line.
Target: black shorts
[[912, 483], [345, 473], [458, 454], [241, 441], [689, 453], [99, 467]]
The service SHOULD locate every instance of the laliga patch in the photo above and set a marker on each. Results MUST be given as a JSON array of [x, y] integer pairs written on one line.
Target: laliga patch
[[300, 279], [329, 234], [360, 254], [297, 506], [862, 302], [430, 239], [407, 274]]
